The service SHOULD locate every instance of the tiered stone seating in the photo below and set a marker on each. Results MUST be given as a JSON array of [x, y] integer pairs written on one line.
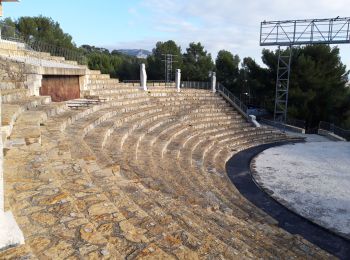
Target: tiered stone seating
[[139, 176], [19, 53]]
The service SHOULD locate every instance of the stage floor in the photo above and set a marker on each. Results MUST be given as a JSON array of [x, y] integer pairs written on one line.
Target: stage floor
[[312, 179]]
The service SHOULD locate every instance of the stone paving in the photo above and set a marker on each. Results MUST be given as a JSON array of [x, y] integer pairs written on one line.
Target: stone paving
[[141, 176]]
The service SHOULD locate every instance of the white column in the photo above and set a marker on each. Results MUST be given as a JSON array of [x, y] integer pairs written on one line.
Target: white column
[[10, 234], [143, 77], [213, 82], [178, 79], [253, 120]]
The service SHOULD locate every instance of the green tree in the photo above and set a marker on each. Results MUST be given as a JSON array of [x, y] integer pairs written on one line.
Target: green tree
[[44, 34], [317, 86], [8, 29], [116, 64], [258, 82], [155, 61], [197, 63], [44, 29], [227, 70]]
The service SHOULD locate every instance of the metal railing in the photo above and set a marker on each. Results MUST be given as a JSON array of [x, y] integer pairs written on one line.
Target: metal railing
[[68, 54], [10, 33], [184, 84], [148, 81], [196, 84], [238, 103], [335, 130], [296, 122], [151, 83], [292, 126]]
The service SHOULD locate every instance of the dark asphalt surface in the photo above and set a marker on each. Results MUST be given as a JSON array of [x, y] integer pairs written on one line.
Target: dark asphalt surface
[[238, 170]]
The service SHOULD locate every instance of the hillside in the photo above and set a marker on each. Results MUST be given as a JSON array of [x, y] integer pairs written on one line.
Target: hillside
[[139, 53]]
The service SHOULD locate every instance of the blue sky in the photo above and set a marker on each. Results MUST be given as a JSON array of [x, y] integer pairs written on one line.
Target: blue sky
[[226, 24]]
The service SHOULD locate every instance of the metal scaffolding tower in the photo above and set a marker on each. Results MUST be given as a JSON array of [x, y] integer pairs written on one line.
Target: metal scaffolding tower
[[282, 84], [168, 67], [298, 32]]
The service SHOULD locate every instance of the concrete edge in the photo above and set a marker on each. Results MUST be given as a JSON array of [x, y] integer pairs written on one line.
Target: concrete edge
[[331, 136], [257, 181]]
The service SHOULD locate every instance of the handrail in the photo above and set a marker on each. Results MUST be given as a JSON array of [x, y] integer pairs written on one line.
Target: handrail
[[196, 84], [148, 81], [235, 101], [10, 33], [68, 54], [296, 122], [285, 127], [329, 127]]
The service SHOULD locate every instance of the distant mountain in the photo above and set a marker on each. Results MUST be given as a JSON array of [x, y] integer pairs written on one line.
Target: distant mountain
[[139, 53]]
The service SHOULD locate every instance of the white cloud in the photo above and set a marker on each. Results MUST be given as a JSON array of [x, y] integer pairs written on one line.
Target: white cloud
[[227, 24]]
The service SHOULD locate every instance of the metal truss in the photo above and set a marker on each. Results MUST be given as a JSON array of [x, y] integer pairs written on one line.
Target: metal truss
[[301, 32], [298, 32], [168, 67], [282, 84]]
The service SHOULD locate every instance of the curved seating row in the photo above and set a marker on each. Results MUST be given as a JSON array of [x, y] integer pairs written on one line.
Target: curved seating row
[[141, 176]]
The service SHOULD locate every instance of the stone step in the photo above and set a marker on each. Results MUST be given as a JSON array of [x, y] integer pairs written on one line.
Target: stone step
[[93, 72], [92, 216], [31, 102], [99, 76], [10, 112], [52, 109], [138, 176], [186, 169], [147, 132], [130, 127], [153, 210], [107, 115], [102, 79], [109, 181], [13, 95], [114, 91], [26, 130], [46, 201], [7, 85]]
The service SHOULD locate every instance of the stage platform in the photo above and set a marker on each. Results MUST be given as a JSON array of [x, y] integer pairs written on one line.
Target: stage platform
[[311, 179]]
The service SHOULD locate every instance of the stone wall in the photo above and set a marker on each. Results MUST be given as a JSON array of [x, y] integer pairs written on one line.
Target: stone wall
[[11, 71]]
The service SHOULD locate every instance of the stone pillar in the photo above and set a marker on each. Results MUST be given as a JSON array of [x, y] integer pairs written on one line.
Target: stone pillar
[[10, 234], [213, 82], [178, 79], [143, 77], [33, 84]]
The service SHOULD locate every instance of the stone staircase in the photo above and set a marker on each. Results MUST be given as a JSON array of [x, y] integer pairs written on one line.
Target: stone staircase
[[140, 176], [18, 52]]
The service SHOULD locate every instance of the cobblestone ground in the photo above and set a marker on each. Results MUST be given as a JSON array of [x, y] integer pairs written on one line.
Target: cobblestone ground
[[139, 177]]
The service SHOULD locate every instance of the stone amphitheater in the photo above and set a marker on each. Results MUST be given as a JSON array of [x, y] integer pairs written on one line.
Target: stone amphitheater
[[139, 176]]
